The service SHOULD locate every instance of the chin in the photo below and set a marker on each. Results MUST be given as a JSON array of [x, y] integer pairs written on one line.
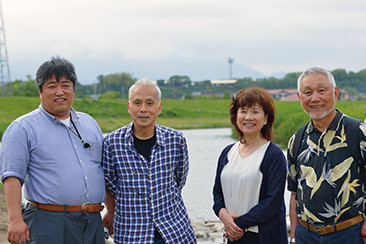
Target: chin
[[321, 116]]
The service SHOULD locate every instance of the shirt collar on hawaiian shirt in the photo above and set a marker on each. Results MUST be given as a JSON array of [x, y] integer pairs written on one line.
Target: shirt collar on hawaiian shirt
[[333, 125]]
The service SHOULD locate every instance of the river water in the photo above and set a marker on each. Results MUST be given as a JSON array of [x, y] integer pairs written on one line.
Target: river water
[[204, 148]]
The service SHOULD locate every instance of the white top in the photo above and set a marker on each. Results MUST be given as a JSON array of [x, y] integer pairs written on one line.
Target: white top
[[241, 181], [66, 121]]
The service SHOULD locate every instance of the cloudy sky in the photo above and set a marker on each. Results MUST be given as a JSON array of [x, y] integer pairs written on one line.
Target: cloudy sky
[[161, 38]]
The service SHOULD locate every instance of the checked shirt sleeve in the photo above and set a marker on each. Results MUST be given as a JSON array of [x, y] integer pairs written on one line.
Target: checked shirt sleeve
[[109, 168], [181, 170]]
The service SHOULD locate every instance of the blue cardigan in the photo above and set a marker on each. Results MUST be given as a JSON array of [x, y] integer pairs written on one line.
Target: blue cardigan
[[269, 214]]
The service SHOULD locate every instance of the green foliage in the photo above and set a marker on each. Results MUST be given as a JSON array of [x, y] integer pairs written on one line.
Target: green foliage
[[120, 82], [179, 80], [19, 88], [111, 95]]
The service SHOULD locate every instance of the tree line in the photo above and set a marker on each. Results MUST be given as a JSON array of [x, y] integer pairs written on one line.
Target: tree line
[[176, 87]]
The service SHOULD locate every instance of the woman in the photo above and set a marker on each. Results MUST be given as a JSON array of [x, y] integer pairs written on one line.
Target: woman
[[251, 174]]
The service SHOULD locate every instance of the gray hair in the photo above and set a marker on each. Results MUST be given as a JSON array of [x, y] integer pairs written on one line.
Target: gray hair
[[144, 82], [313, 71]]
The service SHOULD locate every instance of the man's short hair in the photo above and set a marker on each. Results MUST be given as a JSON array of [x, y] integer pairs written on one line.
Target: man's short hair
[[145, 82], [316, 70], [56, 66]]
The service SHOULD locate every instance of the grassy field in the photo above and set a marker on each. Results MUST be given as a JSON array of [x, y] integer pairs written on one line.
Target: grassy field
[[179, 114]]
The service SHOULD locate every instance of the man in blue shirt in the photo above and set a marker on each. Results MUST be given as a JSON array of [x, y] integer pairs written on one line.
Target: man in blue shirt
[[145, 167], [55, 153]]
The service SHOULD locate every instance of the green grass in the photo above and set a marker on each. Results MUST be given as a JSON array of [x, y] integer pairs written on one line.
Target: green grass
[[180, 114]]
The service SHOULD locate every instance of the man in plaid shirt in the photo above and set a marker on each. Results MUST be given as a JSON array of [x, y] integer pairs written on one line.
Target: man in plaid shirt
[[145, 167]]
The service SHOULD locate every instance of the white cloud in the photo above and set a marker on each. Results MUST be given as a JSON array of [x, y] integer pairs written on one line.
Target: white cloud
[[266, 35]]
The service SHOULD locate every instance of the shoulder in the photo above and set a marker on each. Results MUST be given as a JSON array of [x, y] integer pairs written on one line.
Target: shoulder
[[169, 136], [273, 155], [33, 115], [226, 150], [273, 149], [119, 134], [160, 129], [28, 120]]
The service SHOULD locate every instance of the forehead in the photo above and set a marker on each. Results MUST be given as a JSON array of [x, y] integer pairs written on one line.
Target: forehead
[[144, 93], [315, 80]]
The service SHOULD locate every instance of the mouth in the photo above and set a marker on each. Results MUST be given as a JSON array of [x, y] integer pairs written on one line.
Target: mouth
[[60, 100], [249, 124], [317, 107]]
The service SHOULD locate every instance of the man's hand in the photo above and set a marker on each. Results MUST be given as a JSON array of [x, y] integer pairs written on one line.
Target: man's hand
[[233, 232], [108, 221], [110, 204], [18, 231]]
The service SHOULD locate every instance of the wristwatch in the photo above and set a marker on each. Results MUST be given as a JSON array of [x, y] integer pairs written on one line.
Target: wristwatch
[[292, 240]]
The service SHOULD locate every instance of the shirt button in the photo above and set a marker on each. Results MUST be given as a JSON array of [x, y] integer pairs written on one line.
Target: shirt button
[[86, 177], [81, 161]]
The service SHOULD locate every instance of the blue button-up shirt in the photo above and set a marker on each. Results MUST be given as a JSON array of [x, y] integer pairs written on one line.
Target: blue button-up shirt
[[50, 160], [148, 193]]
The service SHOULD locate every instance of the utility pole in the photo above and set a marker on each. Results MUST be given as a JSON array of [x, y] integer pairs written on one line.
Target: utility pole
[[4, 63], [231, 61]]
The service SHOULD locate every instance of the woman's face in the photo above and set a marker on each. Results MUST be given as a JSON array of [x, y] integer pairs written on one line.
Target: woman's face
[[250, 120]]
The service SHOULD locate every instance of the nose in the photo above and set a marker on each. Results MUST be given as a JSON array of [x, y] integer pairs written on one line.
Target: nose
[[249, 115], [59, 90], [315, 96], [143, 107]]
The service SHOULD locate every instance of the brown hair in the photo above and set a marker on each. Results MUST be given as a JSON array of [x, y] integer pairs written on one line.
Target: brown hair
[[248, 97]]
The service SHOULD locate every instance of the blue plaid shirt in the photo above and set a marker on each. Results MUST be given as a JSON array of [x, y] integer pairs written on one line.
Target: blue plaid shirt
[[148, 193]]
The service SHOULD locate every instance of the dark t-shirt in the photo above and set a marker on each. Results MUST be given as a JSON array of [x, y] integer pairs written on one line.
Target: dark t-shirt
[[143, 147]]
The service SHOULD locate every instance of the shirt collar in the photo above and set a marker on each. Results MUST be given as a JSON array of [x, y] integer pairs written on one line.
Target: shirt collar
[[333, 125], [158, 130], [72, 114]]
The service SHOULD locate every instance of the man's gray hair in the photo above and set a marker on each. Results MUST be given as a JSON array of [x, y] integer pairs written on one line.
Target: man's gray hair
[[316, 70], [144, 82]]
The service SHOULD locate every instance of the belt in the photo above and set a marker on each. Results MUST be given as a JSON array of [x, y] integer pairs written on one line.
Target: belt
[[90, 208], [327, 229]]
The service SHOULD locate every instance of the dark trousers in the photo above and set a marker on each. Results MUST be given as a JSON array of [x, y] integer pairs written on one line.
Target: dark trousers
[[351, 235], [63, 228], [248, 238]]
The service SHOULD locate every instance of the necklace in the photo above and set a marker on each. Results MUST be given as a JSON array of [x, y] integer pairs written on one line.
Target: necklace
[[86, 145]]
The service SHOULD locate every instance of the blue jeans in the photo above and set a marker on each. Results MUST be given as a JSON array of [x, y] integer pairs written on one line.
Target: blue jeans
[[351, 235]]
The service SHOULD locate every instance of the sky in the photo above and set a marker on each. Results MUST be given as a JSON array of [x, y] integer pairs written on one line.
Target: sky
[[161, 38]]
